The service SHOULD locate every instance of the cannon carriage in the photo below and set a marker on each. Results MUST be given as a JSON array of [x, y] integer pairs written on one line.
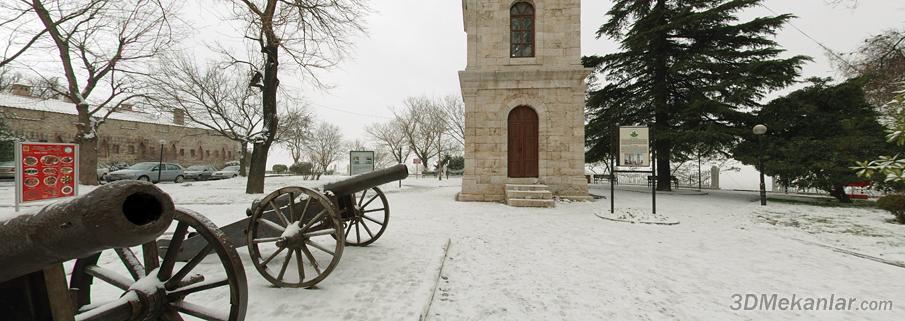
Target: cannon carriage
[[296, 235], [128, 261], [109, 240]]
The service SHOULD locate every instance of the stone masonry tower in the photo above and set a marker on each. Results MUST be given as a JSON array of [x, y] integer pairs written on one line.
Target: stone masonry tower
[[524, 90]]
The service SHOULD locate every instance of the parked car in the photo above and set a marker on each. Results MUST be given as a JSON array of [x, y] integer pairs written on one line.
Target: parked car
[[8, 169], [149, 171], [199, 172], [227, 172], [102, 172]]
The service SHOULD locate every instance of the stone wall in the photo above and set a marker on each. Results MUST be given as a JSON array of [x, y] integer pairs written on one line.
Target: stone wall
[[558, 37], [552, 83], [126, 141]]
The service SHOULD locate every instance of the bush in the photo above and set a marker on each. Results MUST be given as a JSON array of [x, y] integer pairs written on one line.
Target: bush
[[456, 163], [303, 168], [894, 204], [280, 168]]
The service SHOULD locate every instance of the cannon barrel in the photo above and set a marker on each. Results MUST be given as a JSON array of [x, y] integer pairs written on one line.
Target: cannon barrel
[[367, 180], [121, 214]]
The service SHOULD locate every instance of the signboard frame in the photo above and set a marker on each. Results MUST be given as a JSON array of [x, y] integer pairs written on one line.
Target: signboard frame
[[616, 150], [352, 165], [20, 170], [647, 162]]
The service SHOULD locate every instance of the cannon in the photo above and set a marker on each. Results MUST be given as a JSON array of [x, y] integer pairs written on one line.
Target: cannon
[[310, 227], [37, 247]]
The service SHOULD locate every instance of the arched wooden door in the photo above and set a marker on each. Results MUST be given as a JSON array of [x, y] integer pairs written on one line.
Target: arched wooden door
[[523, 138]]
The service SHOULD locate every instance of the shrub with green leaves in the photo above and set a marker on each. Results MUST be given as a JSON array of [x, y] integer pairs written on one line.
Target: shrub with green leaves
[[280, 168], [303, 168], [894, 204], [890, 168]]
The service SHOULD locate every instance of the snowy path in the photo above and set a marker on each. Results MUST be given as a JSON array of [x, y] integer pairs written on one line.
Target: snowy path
[[566, 264], [518, 264]]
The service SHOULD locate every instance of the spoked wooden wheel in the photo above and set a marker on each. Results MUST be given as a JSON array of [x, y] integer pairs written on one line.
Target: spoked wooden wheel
[[204, 288], [295, 224], [370, 217]]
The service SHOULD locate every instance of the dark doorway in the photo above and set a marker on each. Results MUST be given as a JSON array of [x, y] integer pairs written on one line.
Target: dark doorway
[[523, 148]]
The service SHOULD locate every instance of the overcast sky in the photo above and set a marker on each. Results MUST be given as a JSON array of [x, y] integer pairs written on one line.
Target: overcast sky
[[416, 47]]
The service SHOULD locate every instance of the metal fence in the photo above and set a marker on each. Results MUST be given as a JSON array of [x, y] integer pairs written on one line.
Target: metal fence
[[645, 179]]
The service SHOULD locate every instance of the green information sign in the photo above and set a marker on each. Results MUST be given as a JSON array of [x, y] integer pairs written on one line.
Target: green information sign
[[361, 162]]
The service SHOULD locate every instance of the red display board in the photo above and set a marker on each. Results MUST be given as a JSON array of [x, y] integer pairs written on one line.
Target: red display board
[[46, 171]]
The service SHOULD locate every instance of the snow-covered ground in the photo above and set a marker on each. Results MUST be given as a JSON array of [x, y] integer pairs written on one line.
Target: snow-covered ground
[[566, 263]]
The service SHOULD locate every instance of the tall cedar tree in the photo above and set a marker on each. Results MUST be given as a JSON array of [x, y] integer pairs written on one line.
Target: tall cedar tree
[[689, 69], [815, 135]]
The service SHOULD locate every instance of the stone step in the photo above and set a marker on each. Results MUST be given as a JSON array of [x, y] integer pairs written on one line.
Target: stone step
[[517, 202], [523, 181], [518, 187], [518, 194]]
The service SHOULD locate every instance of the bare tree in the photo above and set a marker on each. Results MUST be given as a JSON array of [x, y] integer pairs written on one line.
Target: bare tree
[[848, 3], [881, 61], [324, 147], [46, 88], [383, 158], [358, 145], [213, 97], [17, 23], [422, 124], [314, 34], [453, 112], [100, 46], [390, 137], [295, 129], [8, 78]]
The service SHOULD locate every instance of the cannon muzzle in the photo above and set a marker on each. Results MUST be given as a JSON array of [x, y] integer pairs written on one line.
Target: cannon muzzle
[[120, 214], [368, 180]]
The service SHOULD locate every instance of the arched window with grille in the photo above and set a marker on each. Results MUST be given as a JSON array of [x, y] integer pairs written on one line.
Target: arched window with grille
[[522, 28]]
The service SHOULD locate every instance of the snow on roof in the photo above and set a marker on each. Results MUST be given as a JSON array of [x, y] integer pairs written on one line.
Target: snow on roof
[[65, 107]]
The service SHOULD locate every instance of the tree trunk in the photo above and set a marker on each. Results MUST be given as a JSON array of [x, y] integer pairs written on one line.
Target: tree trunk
[[661, 103], [243, 161], [839, 193], [86, 137], [258, 168], [87, 160]]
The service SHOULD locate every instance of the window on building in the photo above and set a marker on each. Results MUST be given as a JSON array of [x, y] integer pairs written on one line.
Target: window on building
[[192, 152], [216, 153], [522, 30], [207, 154], [131, 149], [229, 155], [116, 149], [182, 152]]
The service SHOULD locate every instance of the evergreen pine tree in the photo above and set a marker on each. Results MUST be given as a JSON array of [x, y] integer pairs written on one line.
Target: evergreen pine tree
[[815, 135], [687, 68]]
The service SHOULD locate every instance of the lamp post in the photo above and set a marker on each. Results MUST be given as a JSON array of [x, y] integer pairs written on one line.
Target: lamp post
[[160, 162], [759, 131]]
